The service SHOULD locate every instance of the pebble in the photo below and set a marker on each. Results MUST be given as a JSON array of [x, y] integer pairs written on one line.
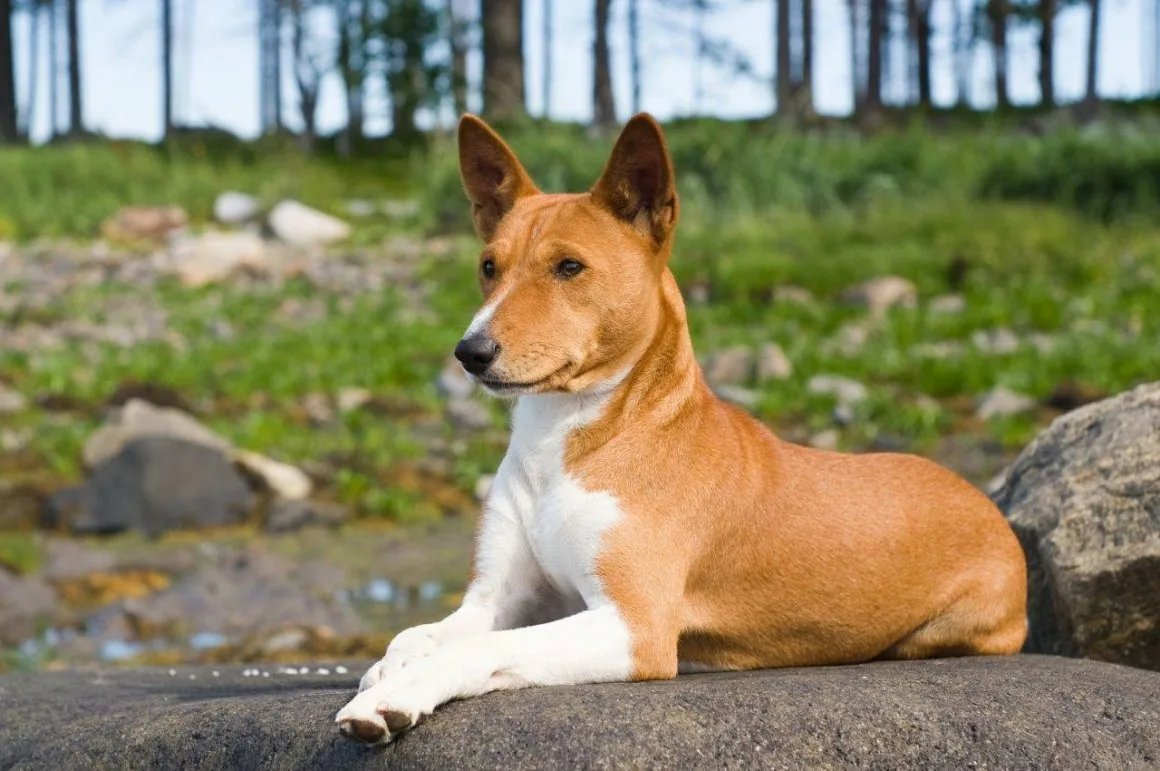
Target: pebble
[[341, 670]]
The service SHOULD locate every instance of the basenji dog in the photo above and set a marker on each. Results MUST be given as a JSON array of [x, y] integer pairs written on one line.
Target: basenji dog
[[638, 525]]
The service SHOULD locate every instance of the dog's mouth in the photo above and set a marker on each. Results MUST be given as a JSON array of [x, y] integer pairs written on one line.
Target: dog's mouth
[[504, 387]]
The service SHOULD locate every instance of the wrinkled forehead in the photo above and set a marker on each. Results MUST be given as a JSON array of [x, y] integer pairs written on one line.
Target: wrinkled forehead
[[565, 217]]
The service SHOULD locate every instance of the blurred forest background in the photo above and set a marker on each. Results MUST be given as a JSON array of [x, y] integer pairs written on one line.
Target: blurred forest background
[[230, 428]]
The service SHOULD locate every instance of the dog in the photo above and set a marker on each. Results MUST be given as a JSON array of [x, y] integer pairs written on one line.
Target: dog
[[638, 526]]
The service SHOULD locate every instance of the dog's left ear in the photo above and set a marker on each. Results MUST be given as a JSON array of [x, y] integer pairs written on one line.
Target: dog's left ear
[[638, 184]]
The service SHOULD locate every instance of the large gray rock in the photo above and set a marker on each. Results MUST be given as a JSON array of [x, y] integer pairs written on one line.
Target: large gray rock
[[1014, 712], [1084, 499], [153, 485]]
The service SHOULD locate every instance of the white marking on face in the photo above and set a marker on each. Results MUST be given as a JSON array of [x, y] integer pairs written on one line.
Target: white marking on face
[[483, 316]]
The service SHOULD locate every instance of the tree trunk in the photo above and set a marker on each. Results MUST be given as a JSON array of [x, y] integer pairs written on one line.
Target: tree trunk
[[26, 116], [503, 59], [784, 84], [76, 118], [1047, 52], [998, 11], [306, 75], [963, 37], [1093, 53], [804, 98], [634, 52], [352, 33], [167, 68], [876, 32], [8, 127], [857, 82], [603, 105], [918, 28], [53, 69], [546, 43], [458, 45]]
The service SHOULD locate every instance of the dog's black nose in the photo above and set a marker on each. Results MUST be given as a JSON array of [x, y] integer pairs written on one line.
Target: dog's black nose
[[476, 353]]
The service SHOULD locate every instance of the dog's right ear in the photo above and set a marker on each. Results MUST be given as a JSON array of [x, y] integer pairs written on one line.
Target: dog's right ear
[[492, 175]]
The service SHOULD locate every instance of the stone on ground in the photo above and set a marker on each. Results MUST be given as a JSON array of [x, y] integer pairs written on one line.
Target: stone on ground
[[153, 485], [1084, 499], [299, 225], [234, 208]]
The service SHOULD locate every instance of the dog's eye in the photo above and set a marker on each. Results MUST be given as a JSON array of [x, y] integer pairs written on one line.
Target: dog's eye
[[567, 268], [487, 268]]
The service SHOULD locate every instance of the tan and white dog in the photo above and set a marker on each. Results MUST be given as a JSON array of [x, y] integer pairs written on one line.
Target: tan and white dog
[[638, 526]]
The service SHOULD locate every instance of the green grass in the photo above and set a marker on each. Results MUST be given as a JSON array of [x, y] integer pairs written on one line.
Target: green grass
[[985, 215]]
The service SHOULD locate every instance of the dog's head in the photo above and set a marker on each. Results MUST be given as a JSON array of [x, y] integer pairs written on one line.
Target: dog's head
[[571, 282]]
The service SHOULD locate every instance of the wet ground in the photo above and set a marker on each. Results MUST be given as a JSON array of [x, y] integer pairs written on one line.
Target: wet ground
[[234, 595]]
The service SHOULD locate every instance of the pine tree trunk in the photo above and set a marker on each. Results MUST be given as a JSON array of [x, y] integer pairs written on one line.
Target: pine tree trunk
[[634, 52], [34, 14], [921, 30], [1093, 53], [1047, 52], [503, 59], [458, 45], [805, 98], [167, 68], [546, 45], [8, 127], [998, 10], [857, 82], [603, 105], [784, 87], [53, 69], [76, 118], [876, 33]]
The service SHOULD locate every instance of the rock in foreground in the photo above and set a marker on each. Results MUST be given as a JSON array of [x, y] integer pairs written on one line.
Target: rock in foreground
[[1019, 712], [1084, 499]]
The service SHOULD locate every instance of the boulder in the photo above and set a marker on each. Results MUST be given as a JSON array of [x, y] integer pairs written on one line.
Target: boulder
[[844, 390], [996, 712], [11, 400], [1084, 499], [214, 257], [879, 295], [773, 364], [730, 366], [234, 208], [153, 485], [1002, 402], [144, 223], [138, 419], [299, 225]]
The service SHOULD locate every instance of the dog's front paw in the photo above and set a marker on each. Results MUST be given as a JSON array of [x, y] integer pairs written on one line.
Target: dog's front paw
[[408, 646], [379, 715]]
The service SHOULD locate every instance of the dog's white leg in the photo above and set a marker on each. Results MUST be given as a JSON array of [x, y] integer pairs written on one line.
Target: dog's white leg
[[591, 646], [506, 580]]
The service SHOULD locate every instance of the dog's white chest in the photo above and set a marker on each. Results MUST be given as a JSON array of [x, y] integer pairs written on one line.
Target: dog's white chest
[[563, 522]]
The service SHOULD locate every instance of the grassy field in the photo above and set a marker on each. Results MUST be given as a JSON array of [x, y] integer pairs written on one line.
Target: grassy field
[[1054, 238]]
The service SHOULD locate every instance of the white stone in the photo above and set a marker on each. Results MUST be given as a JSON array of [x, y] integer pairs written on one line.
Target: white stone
[[214, 257], [772, 363], [286, 481], [11, 400], [1003, 402], [299, 225], [234, 208], [844, 390], [879, 295]]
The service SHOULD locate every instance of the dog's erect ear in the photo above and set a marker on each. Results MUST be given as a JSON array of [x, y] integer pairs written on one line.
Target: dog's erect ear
[[492, 175], [638, 184]]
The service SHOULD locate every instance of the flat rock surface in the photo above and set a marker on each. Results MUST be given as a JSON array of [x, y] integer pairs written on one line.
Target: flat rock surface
[[1019, 712]]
